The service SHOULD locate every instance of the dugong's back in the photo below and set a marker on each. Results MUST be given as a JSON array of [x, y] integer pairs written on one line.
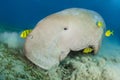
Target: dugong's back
[[54, 36]]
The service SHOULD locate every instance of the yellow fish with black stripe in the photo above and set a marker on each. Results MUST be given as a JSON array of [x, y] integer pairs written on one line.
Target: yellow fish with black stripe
[[99, 24], [108, 33], [25, 33], [87, 50]]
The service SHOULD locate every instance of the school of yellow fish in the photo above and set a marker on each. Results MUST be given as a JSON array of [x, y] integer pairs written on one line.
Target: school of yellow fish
[[99, 24], [108, 33]]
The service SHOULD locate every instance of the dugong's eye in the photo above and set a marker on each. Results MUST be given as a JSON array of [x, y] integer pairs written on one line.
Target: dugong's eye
[[65, 28], [30, 36]]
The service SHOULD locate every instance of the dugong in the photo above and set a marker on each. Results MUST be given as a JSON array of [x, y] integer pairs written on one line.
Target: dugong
[[54, 36]]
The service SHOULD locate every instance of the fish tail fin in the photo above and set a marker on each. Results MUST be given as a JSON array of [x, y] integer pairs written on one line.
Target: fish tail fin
[[112, 32], [21, 35]]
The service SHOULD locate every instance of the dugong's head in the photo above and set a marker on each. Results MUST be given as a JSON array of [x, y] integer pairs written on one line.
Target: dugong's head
[[54, 36]]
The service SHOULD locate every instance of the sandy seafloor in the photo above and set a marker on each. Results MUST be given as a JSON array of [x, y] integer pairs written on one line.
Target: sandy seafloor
[[15, 66]]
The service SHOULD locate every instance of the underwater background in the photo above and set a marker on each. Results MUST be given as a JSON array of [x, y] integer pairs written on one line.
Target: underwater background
[[17, 15]]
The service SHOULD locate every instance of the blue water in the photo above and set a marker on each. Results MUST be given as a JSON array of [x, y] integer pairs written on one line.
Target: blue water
[[24, 14]]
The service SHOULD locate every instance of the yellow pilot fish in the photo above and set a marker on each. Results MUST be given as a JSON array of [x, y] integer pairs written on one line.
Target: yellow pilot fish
[[25, 33], [108, 33], [99, 24], [87, 50]]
